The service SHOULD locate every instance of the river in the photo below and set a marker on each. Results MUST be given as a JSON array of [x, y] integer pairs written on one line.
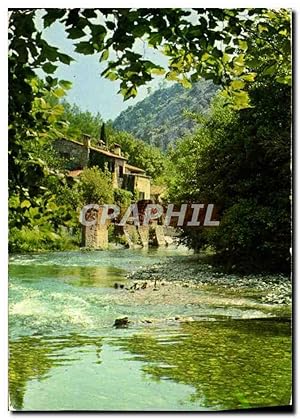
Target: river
[[65, 353]]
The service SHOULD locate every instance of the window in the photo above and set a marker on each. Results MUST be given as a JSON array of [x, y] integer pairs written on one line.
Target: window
[[141, 195], [120, 171]]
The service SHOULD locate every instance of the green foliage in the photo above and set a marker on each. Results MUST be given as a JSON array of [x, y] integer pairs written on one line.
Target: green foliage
[[39, 211], [81, 122], [160, 118], [122, 198], [36, 181], [240, 161], [95, 186], [41, 223], [30, 133], [222, 45], [167, 176], [35, 239]]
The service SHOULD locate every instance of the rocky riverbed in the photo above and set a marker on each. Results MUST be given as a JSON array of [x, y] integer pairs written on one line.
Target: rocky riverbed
[[273, 289]]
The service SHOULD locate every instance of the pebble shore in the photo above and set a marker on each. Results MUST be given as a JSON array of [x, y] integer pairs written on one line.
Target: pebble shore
[[270, 289]]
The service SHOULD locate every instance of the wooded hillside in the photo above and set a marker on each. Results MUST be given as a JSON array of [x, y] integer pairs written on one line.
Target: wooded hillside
[[160, 118]]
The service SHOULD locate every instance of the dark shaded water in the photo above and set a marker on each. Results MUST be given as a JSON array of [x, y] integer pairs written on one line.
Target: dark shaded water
[[65, 354]]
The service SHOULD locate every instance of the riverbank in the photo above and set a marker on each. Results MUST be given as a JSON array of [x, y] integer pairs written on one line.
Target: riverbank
[[189, 273]]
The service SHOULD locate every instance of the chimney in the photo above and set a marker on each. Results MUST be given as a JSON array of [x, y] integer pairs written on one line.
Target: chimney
[[86, 140], [117, 149]]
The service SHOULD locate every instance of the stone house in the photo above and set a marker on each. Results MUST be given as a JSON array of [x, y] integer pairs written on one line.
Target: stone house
[[79, 156]]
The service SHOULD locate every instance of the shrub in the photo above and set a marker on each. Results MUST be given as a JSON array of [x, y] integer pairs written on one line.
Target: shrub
[[96, 187]]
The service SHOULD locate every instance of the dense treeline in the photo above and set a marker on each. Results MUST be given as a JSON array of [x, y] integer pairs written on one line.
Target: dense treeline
[[240, 161], [79, 121]]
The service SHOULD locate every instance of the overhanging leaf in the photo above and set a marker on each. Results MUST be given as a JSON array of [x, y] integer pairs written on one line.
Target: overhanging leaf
[[49, 68], [65, 84], [75, 33], [84, 48], [104, 55]]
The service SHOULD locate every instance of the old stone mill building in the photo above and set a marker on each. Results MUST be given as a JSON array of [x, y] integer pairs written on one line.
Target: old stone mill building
[[80, 155]]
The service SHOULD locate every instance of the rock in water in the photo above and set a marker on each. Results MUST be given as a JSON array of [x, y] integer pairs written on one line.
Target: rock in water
[[121, 323]]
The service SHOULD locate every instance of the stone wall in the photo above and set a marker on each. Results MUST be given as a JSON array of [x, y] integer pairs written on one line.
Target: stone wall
[[75, 154], [95, 236], [113, 165]]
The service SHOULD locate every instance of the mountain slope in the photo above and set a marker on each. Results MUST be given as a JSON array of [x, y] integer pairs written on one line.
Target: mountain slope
[[159, 119]]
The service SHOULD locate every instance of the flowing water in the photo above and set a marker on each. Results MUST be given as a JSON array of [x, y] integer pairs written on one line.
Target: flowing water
[[65, 354]]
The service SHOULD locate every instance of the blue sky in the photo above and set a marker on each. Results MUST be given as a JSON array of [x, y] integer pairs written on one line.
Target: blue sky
[[90, 91]]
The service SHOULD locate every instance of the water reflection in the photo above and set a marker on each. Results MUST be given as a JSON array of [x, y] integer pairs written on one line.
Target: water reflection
[[33, 357], [231, 364], [225, 364], [80, 276]]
